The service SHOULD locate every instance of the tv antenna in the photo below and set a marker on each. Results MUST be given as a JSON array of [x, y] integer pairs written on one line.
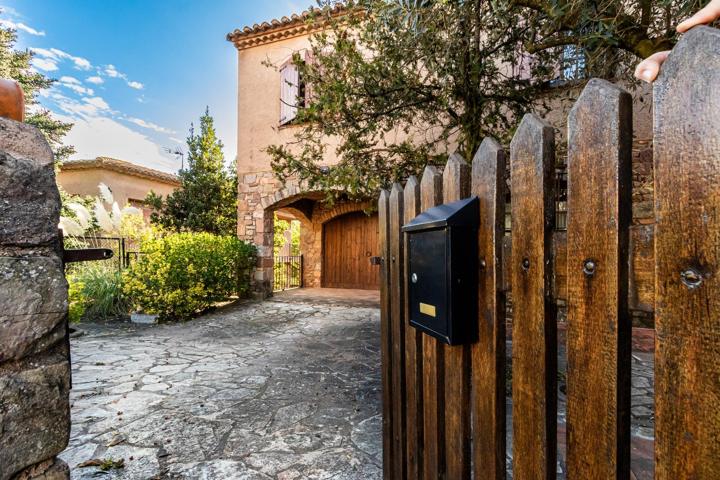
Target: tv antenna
[[178, 153]]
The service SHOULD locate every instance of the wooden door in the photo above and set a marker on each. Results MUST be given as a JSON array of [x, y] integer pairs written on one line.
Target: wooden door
[[348, 243]]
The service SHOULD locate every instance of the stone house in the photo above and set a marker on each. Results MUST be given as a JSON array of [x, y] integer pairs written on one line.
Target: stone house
[[129, 183], [337, 242]]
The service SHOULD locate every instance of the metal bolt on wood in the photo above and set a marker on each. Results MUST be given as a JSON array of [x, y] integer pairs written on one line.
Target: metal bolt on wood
[[691, 278], [589, 268]]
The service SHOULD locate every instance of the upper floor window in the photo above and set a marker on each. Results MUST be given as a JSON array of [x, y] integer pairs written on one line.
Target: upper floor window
[[573, 63], [292, 92]]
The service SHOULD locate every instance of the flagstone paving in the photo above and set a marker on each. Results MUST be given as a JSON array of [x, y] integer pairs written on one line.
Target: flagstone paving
[[286, 389], [277, 389]]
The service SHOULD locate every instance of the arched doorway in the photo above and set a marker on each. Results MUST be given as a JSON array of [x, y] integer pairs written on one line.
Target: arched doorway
[[349, 241]]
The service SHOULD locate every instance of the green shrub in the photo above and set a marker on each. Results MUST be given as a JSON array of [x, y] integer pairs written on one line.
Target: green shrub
[[182, 274], [76, 300], [95, 292]]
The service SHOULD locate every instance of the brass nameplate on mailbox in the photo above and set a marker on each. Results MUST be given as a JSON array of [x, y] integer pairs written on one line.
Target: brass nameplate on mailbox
[[427, 309]]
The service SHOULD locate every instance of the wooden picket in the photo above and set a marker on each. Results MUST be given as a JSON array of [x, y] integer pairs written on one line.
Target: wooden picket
[[534, 350], [456, 186], [687, 304], [488, 354], [385, 333], [599, 328], [433, 364], [413, 355], [444, 407], [397, 329]]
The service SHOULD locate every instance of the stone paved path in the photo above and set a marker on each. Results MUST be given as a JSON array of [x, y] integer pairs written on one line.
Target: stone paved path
[[282, 389], [285, 389]]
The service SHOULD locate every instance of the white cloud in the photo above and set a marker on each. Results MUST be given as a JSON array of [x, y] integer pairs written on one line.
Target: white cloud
[[149, 125], [74, 84], [101, 136], [58, 55], [82, 63], [10, 11], [97, 102], [80, 90], [86, 107], [112, 72], [45, 64], [95, 79], [69, 79], [21, 26], [44, 52], [177, 140]]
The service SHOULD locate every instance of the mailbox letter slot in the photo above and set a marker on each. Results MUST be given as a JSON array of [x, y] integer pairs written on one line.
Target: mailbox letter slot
[[442, 271]]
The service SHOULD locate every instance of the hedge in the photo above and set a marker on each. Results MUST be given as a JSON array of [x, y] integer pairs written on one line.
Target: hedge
[[182, 274]]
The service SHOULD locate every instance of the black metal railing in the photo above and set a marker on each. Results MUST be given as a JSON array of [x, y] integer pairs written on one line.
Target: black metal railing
[[287, 273], [132, 257]]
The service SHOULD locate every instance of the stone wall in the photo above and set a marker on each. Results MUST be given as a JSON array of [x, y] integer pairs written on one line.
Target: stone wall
[[34, 356], [260, 194]]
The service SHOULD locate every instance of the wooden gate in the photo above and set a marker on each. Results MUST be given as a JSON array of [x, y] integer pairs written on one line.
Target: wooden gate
[[348, 243], [444, 407]]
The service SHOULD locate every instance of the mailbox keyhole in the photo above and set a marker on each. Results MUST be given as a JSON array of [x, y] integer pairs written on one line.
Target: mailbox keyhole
[[414, 278]]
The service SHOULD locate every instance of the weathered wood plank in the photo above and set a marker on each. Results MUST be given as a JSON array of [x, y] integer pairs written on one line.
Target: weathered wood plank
[[397, 264], [687, 259], [413, 354], [642, 267], [641, 294], [532, 166], [456, 186], [599, 327], [433, 363], [385, 333], [488, 354]]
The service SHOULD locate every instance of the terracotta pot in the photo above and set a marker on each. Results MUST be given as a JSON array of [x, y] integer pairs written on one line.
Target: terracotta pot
[[12, 100]]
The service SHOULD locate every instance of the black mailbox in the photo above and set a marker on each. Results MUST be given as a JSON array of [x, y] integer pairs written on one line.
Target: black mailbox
[[442, 271]]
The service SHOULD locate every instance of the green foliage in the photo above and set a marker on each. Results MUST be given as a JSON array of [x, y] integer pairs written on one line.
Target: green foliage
[[95, 292], [207, 199], [182, 274], [400, 83], [279, 239], [15, 64], [76, 300]]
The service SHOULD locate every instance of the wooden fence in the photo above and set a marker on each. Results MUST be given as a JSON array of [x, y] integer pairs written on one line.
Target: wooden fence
[[444, 406]]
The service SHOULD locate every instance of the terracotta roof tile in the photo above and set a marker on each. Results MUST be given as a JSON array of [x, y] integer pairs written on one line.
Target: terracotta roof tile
[[285, 27]]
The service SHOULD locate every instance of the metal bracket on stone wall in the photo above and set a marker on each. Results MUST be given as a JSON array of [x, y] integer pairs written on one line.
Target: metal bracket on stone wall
[[86, 255]]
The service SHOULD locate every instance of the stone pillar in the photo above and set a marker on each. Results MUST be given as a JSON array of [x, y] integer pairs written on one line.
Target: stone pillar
[[257, 192], [34, 356]]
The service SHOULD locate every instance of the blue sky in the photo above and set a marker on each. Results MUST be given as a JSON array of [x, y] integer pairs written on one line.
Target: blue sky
[[134, 73]]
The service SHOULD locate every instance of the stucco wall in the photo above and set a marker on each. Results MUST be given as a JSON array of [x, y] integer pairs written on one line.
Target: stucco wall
[[123, 186], [259, 104]]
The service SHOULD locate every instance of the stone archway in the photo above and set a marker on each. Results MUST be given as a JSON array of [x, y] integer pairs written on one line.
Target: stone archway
[[259, 196]]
